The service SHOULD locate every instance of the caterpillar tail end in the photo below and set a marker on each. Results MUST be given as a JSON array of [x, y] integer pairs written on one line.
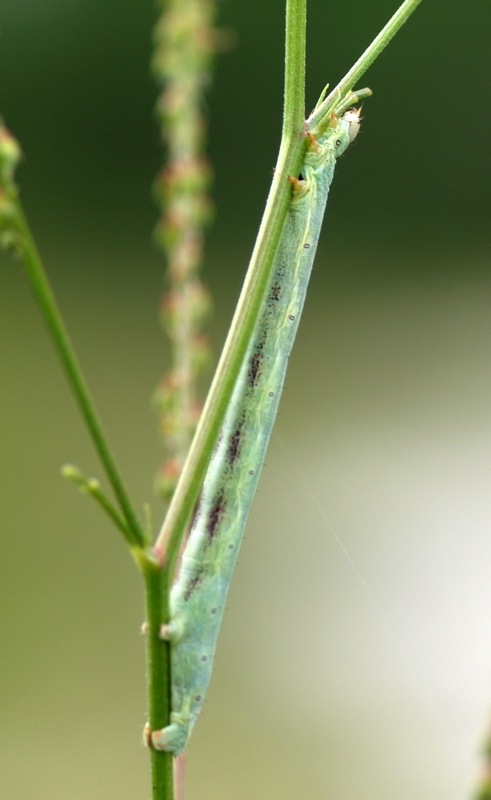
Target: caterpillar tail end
[[172, 739]]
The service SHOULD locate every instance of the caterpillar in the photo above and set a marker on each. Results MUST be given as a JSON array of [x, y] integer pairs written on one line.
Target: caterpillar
[[198, 596]]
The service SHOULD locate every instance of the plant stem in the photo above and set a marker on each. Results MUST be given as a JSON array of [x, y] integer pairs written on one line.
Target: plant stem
[[292, 147], [350, 99], [38, 280], [158, 673], [289, 161], [91, 486], [367, 58]]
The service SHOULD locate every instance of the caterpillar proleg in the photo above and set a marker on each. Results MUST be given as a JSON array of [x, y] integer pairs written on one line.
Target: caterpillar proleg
[[198, 596]]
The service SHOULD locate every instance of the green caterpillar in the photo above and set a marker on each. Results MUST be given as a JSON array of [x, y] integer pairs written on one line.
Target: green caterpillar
[[198, 596]]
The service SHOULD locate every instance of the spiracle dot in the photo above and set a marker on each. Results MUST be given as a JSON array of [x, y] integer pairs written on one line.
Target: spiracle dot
[[271, 394], [292, 317], [204, 658], [251, 472], [306, 246], [230, 547], [213, 610], [198, 698]]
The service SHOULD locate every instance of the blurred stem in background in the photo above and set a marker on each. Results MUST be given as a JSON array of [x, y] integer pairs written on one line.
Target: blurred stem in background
[[185, 43]]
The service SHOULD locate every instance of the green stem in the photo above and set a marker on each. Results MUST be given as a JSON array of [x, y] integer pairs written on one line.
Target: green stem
[[318, 117], [92, 487], [292, 147], [350, 99], [158, 674], [52, 317], [289, 161]]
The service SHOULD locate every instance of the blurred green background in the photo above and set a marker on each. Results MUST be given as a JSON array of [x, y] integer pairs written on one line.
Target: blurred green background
[[332, 681]]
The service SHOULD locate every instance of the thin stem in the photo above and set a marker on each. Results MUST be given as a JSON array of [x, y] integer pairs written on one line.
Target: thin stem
[[38, 280], [292, 147], [350, 99], [158, 674], [289, 161], [318, 117], [92, 487]]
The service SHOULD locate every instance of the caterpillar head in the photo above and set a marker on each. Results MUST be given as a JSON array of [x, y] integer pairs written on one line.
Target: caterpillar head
[[352, 117], [346, 130]]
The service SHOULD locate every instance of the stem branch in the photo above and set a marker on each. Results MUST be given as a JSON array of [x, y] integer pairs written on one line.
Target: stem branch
[[289, 161], [44, 296], [367, 58], [293, 143]]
